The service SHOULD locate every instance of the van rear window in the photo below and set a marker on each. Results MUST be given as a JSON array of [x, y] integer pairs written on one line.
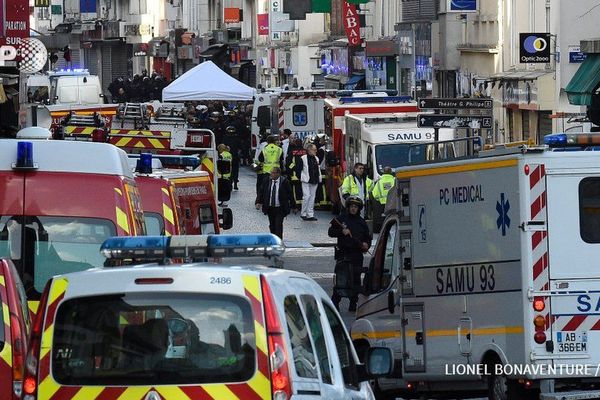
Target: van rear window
[[154, 339], [589, 210]]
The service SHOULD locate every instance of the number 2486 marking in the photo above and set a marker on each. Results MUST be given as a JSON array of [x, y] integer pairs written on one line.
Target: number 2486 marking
[[220, 280]]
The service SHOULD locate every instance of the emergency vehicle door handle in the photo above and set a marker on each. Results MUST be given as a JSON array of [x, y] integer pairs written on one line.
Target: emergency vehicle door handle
[[419, 338], [533, 226]]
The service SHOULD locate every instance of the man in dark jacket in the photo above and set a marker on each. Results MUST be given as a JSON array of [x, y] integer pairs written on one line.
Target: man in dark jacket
[[275, 199], [353, 239]]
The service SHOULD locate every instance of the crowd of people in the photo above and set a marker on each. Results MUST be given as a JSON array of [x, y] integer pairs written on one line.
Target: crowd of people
[[142, 87]]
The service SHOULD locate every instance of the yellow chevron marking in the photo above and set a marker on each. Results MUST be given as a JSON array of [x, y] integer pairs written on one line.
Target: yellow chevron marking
[[261, 337], [261, 385], [33, 306], [6, 314], [457, 168], [6, 354], [168, 213], [156, 143], [252, 284], [122, 142], [133, 393], [47, 388], [123, 321], [220, 392], [195, 179], [119, 191], [2, 281], [172, 393], [139, 144], [122, 219], [88, 392], [59, 286]]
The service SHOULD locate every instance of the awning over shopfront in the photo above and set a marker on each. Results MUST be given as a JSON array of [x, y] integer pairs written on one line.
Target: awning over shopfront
[[356, 82], [585, 81]]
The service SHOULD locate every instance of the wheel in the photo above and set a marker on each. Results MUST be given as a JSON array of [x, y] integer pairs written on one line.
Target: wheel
[[502, 388]]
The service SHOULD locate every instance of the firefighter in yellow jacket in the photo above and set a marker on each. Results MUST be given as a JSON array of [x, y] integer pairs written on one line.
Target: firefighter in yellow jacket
[[270, 156], [224, 171]]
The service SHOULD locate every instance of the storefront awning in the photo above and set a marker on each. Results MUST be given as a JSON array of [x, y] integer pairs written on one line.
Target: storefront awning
[[585, 81], [354, 81]]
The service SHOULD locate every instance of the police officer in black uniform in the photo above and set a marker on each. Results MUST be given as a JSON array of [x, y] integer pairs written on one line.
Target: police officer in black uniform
[[233, 141], [353, 239]]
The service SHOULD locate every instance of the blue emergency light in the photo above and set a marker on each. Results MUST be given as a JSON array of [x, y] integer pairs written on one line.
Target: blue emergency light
[[191, 247], [144, 164], [24, 156], [557, 139]]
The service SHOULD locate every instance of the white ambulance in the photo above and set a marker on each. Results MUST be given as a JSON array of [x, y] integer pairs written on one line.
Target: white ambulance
[[380, 140], [484, 278], [300, 111]]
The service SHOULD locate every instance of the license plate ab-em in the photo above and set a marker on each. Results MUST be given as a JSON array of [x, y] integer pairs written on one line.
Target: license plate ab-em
[[572, 342]]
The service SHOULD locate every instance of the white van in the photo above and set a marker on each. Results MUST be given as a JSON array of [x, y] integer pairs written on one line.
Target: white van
[[76, 89], [199, 330]]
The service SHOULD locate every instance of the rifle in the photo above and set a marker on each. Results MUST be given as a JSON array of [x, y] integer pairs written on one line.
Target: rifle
[[343, 226]]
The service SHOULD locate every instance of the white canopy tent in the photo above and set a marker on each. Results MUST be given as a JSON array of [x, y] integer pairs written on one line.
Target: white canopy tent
[[206, 81]]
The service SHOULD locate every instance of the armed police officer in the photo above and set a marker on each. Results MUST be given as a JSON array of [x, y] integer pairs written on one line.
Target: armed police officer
[[353, 240]]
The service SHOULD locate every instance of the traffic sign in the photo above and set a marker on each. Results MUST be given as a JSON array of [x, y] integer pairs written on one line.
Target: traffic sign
[[453, 121], [456, 104]]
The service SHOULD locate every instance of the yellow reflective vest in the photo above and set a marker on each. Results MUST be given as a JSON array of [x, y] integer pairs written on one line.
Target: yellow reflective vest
[[226, 156], [382, 187], [349, 186], [271, 154]]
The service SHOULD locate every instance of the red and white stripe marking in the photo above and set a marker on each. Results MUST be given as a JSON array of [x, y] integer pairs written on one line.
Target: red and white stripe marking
[[539, 239], [280, 113], [577, 323]]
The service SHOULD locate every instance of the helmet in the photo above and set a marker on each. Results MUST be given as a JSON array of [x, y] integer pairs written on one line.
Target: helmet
[[215, 114], [230, 129], [354, 200]]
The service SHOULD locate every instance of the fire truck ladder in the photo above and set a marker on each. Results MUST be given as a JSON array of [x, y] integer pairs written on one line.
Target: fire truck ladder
[[80, 126], [135, 112]]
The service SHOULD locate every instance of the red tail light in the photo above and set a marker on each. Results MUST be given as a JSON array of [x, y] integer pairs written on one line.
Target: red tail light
[[539, 337], [99, 135], [538, 304], [35, 342], [280, 376], [18, 355]]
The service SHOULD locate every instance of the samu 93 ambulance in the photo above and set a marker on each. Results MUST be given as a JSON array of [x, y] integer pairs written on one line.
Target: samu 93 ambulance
[[60, 200], [485, 275]]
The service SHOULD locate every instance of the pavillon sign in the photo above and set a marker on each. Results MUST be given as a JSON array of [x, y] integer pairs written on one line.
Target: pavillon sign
[[351, 23]]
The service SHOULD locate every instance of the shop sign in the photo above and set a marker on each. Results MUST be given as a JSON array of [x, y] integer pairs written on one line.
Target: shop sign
[[351, 23], [381, 48], [534, 48], [16, 21], [231, 15], [263, 24]]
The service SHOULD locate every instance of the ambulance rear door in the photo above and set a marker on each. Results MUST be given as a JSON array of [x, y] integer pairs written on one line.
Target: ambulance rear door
[[571, 261]]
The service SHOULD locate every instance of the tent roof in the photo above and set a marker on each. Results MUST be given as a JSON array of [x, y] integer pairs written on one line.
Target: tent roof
[[206, 81]]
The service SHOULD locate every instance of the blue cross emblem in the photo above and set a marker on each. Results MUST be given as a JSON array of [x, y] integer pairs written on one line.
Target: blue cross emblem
[[503, 220]]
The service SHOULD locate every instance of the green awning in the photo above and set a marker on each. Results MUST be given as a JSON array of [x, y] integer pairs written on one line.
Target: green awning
[[585, 81]]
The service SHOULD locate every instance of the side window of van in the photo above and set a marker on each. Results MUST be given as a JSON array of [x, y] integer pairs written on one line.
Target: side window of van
[[299, 115], [343, 347], [302, 351], [383, 262], [316, 331]]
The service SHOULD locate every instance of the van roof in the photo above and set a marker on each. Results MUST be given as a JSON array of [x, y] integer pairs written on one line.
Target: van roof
[[69, 156], [185, 276]]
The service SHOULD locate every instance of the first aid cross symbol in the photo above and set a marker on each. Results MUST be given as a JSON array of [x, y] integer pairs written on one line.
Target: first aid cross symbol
[[503, 220]]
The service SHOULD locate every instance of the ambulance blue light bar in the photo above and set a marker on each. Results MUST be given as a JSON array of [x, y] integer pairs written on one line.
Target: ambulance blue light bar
[[572, 139], [144, 164], [375, 99], [191, 247]]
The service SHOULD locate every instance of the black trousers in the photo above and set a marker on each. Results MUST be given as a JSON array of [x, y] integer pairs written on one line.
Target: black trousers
[[276, 221], [260, 178], [356, 259], [235, 168]]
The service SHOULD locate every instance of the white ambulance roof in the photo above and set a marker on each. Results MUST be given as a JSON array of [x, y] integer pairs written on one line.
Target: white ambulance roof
[[69, 156]]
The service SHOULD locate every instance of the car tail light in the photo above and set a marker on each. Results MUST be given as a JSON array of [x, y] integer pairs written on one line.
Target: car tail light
[[17, 355], [539, 337], [33, 355], [280, 377], [539, 321], [538, 304]]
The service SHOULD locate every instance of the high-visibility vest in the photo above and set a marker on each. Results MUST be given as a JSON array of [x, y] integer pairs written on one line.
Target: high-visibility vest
[[226, 156], [382, 187], [272, 153], [349, 186]]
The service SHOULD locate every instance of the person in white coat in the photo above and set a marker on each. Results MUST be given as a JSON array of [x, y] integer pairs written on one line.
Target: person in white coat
[[310, 176]]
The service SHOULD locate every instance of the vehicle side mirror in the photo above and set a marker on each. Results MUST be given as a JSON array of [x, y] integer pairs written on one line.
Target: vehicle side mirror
[[226, 219], [378, 363]]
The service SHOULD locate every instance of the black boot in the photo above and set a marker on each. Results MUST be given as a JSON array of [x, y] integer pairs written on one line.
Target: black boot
[[352, 306], [335, 299], [235, 187]]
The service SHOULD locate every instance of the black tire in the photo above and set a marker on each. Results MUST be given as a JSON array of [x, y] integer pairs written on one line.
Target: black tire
[[502, 388]]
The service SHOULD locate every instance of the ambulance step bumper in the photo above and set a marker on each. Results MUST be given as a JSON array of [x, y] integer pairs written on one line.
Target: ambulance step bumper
[[588, 394]]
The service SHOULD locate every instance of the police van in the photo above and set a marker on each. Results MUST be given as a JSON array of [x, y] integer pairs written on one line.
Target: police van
[[197, 330], [484, 276]]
